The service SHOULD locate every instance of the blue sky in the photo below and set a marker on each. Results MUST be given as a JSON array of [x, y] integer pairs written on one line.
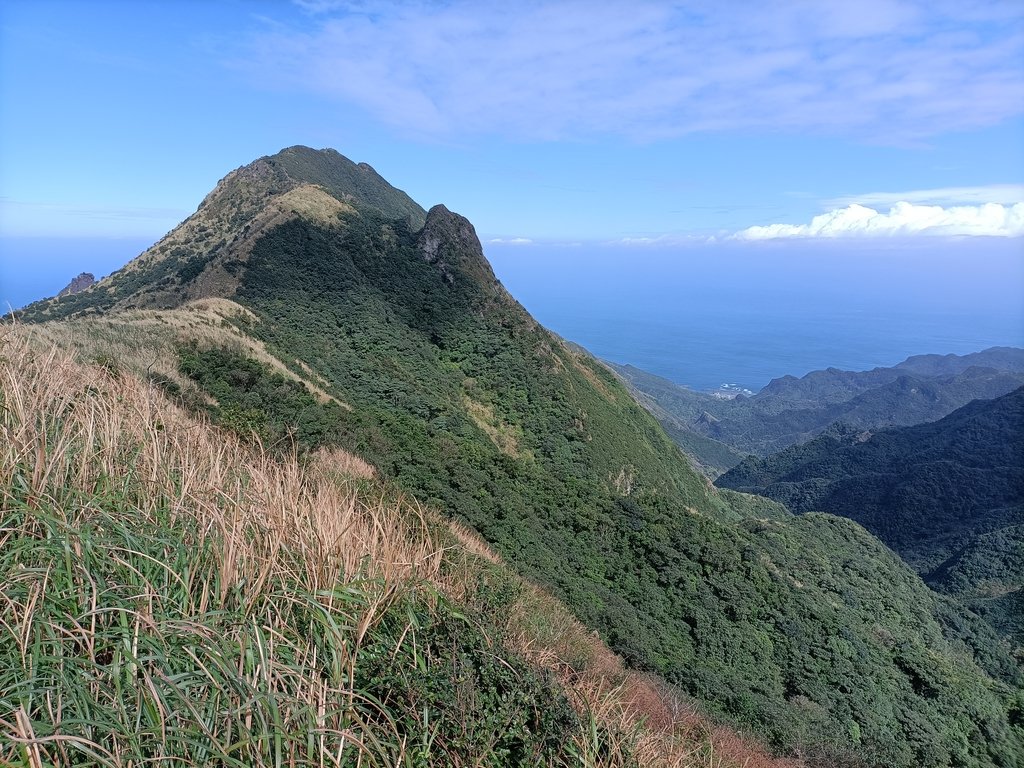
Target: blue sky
[[555, 122]]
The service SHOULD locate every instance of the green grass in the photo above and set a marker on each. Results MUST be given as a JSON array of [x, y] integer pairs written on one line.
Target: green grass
[[170, 596]]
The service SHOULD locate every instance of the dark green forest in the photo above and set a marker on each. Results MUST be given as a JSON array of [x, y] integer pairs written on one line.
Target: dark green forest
[[948, 496]]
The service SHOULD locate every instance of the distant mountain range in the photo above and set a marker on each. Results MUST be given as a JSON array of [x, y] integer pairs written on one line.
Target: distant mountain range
[[719, 432], [310, 303]]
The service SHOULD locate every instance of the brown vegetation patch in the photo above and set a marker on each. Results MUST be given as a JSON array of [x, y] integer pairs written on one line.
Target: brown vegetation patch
[[261, 505], [505, 436], [583, 363], [473, 542]]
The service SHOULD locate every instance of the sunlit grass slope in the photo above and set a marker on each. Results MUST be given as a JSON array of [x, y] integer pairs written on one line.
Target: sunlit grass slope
[[174, 595]]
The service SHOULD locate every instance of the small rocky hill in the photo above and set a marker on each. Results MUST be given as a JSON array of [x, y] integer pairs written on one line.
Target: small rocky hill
[[78, 284]]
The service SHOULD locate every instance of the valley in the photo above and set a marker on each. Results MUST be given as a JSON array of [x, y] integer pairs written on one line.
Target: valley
[[719, 432]]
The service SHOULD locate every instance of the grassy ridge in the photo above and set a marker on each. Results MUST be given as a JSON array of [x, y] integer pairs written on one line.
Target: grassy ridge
[[172, 594]]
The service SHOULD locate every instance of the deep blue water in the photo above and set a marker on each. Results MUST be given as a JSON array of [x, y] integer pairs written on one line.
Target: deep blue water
[[740, 314], [33, 268]]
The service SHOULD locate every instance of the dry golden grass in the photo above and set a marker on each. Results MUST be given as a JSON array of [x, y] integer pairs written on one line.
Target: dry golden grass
[[504, 436], [145, 340], [472, 542], [311, 202], [75, 426], [582, 363]]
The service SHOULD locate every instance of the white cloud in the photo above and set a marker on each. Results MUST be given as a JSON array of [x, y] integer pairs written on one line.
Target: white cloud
[[639, 241], [322, 6], [904, 218], [880, 70], [509, 241]]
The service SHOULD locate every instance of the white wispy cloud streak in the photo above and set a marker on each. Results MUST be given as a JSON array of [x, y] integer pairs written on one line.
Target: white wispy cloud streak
[[509, 241], [903, 219], [1004, 194], [879, 70], [26, 218], [667, 240]]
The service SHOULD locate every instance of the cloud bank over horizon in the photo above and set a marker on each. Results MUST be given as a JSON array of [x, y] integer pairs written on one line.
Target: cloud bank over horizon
[[902, 219], [879, 71], [509, 241]]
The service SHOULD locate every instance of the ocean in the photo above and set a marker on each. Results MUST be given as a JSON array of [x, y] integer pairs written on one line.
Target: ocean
[[708, 315], [33, 268]]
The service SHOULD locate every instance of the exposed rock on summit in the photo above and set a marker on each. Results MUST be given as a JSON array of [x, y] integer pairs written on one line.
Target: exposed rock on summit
[[450, 241]]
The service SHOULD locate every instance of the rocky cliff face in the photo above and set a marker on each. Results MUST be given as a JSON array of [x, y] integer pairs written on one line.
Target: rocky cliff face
[[78, 284], [449, 241]]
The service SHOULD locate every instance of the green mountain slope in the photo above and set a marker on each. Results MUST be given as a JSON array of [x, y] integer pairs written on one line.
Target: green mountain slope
[[198, 624], [792, 410], [804, 628], [948, 496]]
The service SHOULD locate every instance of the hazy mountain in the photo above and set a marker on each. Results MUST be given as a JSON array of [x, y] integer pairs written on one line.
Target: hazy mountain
[[1000, 358], [792, 410], [806, 628]]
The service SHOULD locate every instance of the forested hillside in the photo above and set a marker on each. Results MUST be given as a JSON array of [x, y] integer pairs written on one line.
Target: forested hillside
[[947, 496], [189, 598]]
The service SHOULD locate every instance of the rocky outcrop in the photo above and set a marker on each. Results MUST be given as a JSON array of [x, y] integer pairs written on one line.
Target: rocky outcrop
[[79, 284], [450, 242]]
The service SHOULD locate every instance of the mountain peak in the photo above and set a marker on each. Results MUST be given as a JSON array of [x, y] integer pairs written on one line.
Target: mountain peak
[[450, 241], [206, 254], [358, 184], [351, 182]]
